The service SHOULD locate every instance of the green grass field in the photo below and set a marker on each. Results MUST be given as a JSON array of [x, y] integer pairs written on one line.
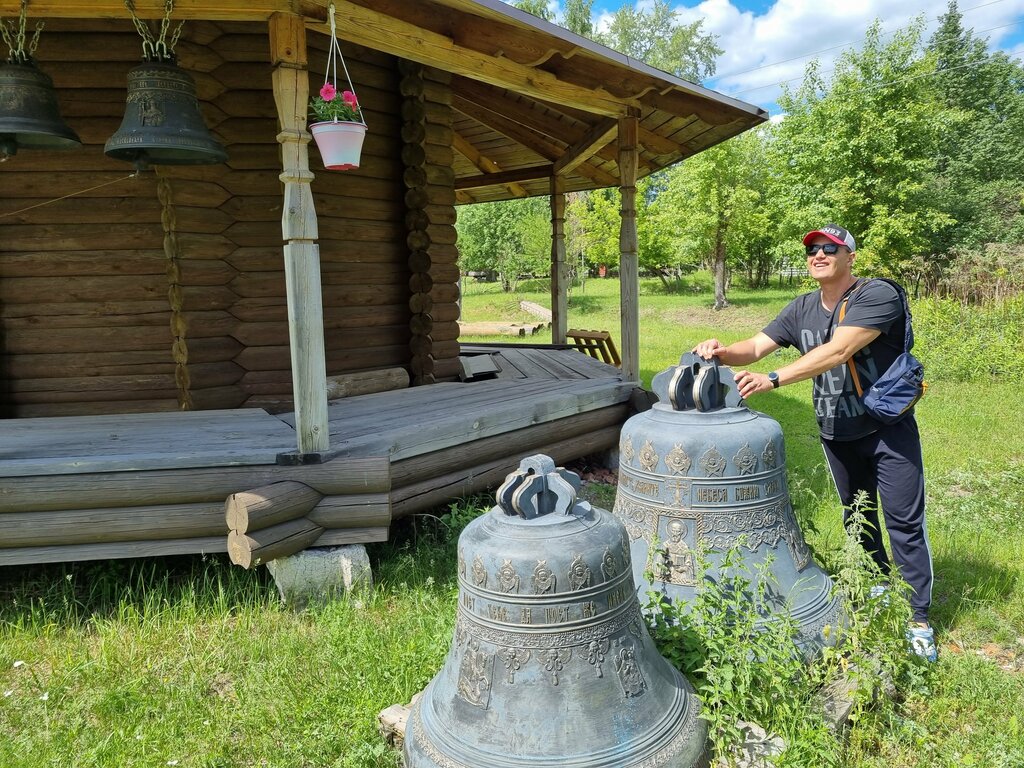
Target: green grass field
[[191, 662]]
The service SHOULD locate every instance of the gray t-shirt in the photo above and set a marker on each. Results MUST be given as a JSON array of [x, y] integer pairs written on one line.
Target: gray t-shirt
[[806, 324]]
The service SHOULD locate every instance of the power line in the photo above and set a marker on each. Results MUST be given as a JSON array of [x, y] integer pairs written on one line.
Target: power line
[[847, 43]]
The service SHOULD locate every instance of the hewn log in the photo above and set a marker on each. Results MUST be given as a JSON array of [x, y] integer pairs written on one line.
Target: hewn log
[[258, 547], [107, 525], [472, 479], [367, 382], [272, 504], [356, 511], [113, 550], [186, 486]]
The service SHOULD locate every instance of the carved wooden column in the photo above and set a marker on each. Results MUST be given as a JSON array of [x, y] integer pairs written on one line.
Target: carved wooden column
[[299, 228], [559, 267], [629, 267]]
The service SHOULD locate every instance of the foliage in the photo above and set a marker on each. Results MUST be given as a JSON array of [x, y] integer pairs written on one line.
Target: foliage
[[538, 8], [329, 104], [860, 151], [512, 237], [731, 225], [653, 33]]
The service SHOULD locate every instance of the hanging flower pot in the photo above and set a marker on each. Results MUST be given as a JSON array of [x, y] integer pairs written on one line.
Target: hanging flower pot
[[340, 143], [339, 128]]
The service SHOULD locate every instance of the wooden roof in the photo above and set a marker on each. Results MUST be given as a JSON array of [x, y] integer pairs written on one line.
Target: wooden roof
[[532, 100]]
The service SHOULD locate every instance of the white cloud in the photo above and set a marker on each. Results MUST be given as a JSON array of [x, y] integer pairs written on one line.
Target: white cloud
[[761, 51]]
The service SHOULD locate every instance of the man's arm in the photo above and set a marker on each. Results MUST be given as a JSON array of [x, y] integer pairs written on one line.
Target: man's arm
[[846, 340], [741, 353]]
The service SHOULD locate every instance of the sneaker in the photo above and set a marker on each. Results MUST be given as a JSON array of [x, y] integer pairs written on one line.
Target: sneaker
[[922, 642]]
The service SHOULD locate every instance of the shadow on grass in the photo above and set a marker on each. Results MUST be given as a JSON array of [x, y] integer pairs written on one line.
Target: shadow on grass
[[70, 594], [966, 581]]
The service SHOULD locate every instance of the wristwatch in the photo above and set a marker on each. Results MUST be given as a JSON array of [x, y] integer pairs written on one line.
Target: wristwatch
[[773, 377]]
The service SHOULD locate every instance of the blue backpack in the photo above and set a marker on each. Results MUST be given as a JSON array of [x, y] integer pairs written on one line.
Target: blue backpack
[[898, 389]]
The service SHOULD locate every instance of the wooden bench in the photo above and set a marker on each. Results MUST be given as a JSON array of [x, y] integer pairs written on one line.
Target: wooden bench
[[597, 344]]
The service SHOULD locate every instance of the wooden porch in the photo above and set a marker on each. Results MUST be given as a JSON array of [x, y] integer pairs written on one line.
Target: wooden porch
[[130, 485]]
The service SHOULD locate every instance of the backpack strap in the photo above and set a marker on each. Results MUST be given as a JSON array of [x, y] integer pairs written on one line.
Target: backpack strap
[[908, 332]]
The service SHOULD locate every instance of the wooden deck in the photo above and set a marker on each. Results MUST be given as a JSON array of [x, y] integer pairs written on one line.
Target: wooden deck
[[96, 487]]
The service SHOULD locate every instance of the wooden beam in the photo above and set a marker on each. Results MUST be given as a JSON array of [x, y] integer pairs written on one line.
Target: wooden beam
[[629, 268], [369, 27], [559, 267], [300, 232], [484, 163], [530, 139], [657, 144], [210, 10], [504, 177], [592, 141]]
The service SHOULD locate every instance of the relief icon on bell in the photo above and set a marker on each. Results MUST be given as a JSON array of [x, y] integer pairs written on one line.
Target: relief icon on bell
[[551, 663], [723, 486]]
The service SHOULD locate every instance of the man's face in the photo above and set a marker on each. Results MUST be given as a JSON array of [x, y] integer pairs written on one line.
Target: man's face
[[822, 266]]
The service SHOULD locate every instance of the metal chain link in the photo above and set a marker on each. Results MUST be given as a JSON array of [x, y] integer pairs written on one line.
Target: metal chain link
[[13, 34], [156, 47]]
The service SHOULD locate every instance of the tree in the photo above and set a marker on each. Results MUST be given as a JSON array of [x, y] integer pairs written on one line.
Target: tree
[[657, 37], [577, 17], [512, 237], [714, 207], [536, 7], [862, 152]]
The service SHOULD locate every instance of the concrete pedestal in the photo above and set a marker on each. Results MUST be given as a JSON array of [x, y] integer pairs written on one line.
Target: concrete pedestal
[[320, 573]]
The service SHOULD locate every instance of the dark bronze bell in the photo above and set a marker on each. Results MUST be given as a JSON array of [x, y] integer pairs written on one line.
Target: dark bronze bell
[[29, 116], [162, 124], [701, 471], [551, 664]]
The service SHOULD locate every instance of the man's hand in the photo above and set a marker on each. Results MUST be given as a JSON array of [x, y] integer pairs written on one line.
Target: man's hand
[[710, 348], [751, 383]]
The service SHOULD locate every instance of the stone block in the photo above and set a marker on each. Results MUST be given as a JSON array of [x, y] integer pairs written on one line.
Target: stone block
[[320, 573]]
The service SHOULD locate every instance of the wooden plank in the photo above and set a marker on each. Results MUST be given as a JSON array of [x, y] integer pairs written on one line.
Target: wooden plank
[[67, 445]]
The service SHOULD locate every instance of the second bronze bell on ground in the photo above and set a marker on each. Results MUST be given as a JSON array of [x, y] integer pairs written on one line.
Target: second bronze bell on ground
[[701, 472], [551, 664], [162, 123]]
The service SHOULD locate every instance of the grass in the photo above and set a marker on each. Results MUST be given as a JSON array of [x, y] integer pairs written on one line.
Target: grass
[[192, 662]]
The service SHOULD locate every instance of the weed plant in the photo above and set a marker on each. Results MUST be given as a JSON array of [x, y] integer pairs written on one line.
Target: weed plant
[[745, 656]]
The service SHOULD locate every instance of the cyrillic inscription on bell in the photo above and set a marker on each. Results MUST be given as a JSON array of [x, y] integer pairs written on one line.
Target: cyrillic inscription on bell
[[551, 663], [701, 470]]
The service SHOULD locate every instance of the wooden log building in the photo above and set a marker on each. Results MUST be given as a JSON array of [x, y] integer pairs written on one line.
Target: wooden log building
[[171, 340]]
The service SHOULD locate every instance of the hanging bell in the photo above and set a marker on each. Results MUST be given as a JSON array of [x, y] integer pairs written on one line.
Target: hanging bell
[[700, 471], [551, 663], [29, 116], [162, 124]]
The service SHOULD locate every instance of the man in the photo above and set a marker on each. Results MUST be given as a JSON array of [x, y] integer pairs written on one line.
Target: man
[[862, 453]]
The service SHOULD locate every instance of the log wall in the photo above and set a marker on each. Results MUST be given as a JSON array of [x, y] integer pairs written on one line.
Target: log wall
[[167, 290]]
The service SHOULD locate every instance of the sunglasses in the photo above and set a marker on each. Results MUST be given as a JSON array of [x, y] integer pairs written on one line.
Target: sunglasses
[[829, 249]]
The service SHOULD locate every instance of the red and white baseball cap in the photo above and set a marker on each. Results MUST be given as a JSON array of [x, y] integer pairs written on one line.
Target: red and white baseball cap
[[835, 233]]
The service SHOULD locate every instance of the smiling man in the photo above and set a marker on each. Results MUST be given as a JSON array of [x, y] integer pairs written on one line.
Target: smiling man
[[882, 460]]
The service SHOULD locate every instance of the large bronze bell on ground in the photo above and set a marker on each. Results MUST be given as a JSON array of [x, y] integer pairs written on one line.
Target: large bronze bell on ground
[[29, 115], [162, 123], [551, 663], [699, 470]]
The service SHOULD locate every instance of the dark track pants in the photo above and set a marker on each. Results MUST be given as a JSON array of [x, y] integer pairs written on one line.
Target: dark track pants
[[888, 464]]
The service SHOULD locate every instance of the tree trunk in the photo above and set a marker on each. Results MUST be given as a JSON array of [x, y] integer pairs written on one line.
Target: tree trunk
[[719, 269]]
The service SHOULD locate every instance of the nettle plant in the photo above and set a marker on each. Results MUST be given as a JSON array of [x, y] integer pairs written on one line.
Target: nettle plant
[[332, 106], [748, 669]]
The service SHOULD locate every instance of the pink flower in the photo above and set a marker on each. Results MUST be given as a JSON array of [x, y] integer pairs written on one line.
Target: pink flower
[[328, 92], [350, 98]]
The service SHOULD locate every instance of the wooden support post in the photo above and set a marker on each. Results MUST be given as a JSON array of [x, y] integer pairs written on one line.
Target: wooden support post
[[299, 229], [629, 267], [559, 267]]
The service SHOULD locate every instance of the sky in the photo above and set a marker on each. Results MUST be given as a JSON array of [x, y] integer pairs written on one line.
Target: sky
[[768, 42]]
